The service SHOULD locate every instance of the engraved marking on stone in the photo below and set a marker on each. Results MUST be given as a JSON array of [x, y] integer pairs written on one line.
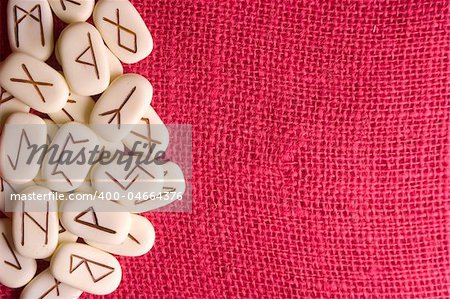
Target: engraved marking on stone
[[9, 185], [69, 138], [23, 136], [7, 98], [55, 286], [126, 187], [89, 263], [31, 81], [94, 223], [61, 228], [141, 168], [121, 28], [94, 59], [137, 202], [129, 152], [45, 230], [38, 18], [169, 190], [63, 3], [17, 263], [116, 112], [123, 187], [70, 101], [133, 239], [149, 132]]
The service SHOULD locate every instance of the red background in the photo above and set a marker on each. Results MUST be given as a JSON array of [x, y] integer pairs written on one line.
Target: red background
[[321, 149]]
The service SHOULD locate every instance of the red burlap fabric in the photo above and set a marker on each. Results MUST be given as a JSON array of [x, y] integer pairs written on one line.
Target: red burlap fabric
[[321, 149]]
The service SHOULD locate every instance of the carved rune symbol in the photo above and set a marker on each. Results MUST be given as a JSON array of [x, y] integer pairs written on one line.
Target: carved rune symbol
[[93, 60], [116, 112], [3, 186], [16, 264], [45, 230], [94, 221], [148, 138], [61, 228], [90, 264], [123, 187], [63, 151], [69, 101], [31, 14], [5, 182], [168, 189], [126, 187], [121, 28], [132, 238], [63, 3], [55, 286], [7, 98], [31, 81], [23, 136]]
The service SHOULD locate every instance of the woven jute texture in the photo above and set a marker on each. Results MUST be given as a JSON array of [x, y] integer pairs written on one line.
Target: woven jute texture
[[320, 149]]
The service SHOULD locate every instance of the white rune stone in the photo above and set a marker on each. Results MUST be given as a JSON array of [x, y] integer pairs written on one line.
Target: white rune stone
[[23, 133], [15, 269], [85, 63], [34, 83], [35, 223], [123, 30], [86, 268], [30, 27]]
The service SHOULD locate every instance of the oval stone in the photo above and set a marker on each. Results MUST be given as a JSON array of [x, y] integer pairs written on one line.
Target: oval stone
[[35, 223], [30, 27], [23, 135], [34, 83], [86, 268], [123, 30], [84, 62], [15, 269]]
